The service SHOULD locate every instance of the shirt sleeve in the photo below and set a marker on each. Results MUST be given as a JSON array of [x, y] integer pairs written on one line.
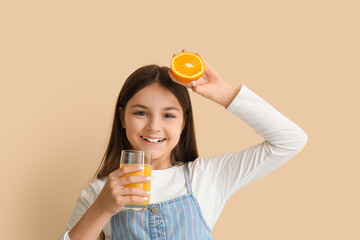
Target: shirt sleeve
[[283, 139], [227, 173]]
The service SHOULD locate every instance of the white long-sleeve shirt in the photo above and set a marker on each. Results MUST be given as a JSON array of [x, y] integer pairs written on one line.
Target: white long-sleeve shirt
[[215, 179]]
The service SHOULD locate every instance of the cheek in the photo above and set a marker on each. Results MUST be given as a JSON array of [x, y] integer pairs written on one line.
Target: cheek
[[132, 130], [176, 129], [133, 127]]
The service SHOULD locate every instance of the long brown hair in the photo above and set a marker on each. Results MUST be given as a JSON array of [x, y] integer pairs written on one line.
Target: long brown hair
[[186, 149]]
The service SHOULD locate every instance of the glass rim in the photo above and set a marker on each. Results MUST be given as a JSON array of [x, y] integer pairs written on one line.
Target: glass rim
[[135, 157], [135, 151]]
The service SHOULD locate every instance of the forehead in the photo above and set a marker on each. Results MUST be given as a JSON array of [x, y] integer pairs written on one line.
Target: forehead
[[155, 96]]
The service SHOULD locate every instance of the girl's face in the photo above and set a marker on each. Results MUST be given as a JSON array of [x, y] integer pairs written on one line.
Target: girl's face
[[154, 121]]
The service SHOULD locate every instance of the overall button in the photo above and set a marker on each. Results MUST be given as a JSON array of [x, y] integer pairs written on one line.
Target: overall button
[[155, 210]]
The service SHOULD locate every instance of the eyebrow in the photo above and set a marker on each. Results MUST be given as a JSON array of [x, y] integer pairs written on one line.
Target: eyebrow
[[145, 107]]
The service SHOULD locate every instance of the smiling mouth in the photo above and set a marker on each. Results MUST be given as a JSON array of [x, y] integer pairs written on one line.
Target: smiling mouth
[[153, 140]]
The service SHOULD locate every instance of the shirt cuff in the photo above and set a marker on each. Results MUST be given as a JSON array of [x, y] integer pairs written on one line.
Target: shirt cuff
[[234, 105], [65, 236]]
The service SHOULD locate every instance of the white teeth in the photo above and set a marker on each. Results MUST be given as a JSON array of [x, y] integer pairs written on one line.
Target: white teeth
[[153, 140]]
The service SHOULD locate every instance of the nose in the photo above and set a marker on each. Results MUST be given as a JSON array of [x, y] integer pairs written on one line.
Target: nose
[[154, 124]]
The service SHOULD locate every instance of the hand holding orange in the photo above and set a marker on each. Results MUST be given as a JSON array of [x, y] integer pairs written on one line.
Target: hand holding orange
[[187, 67], [191, 71]]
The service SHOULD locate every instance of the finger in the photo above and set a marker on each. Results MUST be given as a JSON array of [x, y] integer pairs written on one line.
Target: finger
[[194, 86], [187, 85], [134, 191], [133, 199], [198, 89], [183, 50], [125, 170], [134, 179]]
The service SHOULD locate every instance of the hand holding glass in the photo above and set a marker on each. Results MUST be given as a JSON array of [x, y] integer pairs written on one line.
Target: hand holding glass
[[141, 159]]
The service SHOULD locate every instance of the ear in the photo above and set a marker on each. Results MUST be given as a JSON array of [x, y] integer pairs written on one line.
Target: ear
[[122, 117]]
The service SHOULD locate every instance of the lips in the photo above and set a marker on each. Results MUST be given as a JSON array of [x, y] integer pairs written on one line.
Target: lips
[[153, 139]]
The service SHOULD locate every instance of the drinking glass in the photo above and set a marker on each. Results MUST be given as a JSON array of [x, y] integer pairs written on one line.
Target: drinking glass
[[141, 159]]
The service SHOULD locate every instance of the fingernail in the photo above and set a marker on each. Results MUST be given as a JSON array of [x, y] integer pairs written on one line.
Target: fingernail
[[193, 83], [148, 178], [141, 167], [147, 193], [145, 198]]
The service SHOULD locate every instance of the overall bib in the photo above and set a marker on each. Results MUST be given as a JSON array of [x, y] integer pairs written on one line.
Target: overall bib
[[178, 218]]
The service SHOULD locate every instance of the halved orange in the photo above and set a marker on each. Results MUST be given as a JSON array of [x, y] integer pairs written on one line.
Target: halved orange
[[187, 67]]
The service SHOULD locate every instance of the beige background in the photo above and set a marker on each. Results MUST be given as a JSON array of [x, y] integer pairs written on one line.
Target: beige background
[[62, 64]]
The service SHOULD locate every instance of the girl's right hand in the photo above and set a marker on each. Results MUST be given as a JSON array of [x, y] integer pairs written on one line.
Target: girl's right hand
[[114, 195]]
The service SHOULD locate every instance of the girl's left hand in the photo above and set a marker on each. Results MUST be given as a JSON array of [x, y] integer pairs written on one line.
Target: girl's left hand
[[210, 85]]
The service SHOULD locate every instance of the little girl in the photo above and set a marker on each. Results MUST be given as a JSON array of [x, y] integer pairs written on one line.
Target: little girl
[[154, 113]]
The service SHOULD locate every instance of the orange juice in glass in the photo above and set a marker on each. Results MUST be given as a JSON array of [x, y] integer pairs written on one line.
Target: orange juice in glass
[[137, 158]]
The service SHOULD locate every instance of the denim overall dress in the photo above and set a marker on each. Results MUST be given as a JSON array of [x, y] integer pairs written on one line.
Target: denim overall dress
[[178, 218]]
